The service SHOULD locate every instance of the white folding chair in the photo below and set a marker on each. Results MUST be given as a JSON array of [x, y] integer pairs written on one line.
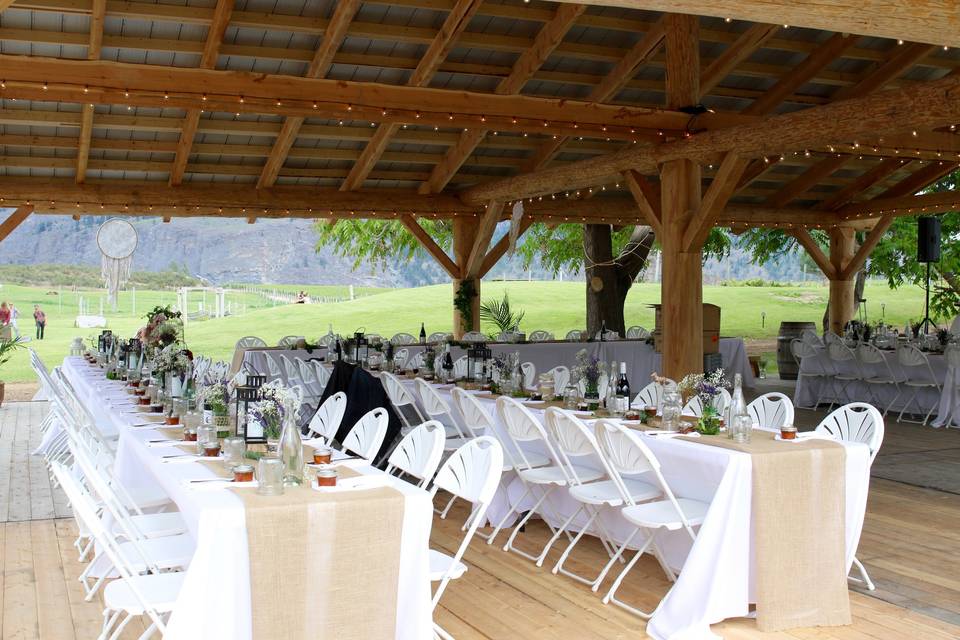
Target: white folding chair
[[529, 371], [670, 513], [608, 335], [437, 409], [540, 336], [878, 373], [470, 473], [274, 368], [810, 337], [437, 337], [400, 357], [952, 356], [561, 378], [846, 370], [636, 332], [473, 336], [460, 367], [291, 373], [402, 400], [415, 361], [919, 375], [308, 376], [816, 371], [574, 335], [771, 411], [418, 453], [650, 396], [403, 338], [248, 342], [326, 421], [366, 436], [322, 373], [576, 441], [857, 422], [289, 342]]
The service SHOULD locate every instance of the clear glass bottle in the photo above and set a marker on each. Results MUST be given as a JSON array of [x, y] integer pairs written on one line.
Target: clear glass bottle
[[738, 405], [291, 449], [671, 408], [610, 397]]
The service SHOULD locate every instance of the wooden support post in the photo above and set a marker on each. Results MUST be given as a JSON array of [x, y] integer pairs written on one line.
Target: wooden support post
[[843, 246], [681, 292], [463, 241]]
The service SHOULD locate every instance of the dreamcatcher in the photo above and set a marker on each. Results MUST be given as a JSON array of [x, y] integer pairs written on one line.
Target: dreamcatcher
[[117, 240]]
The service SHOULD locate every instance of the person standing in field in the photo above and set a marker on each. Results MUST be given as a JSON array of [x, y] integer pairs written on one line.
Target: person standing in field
[[14, 314], [41, 319], [4, 321]]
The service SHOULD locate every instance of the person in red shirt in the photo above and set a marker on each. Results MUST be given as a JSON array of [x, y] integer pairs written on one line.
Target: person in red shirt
[[41, 319], [4, 313]]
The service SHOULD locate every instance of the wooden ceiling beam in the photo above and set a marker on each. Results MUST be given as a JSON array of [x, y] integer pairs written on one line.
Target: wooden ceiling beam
[[608, 88], [869, 244], [919, 179], [548, 39], [936, 22], [815, 252], [86, 116], [498, 250], [211, 48], [806, 180], [453, 27], [738, 52], [714, 200], [481, 241], [901, 59], [647, 196], [928, 203], [869, 178], [333, 37], [927, 105]]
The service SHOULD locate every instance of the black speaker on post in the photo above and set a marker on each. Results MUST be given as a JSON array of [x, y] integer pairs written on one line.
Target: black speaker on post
[[928, 239]]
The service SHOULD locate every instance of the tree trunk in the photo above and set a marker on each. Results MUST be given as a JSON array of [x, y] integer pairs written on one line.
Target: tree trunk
[[609, 279], [857, 296]]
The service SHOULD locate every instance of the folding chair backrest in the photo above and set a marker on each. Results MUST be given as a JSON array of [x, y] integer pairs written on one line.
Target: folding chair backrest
[[433, 404], [322, 373], [649, 396], [856, 422], [307, 373], [290, 370], [840, 352], [397, 391], [810, 338], [437, 336], [771, 411], [529, 371], [573, 440], [801, 350], [402, 338], [326, 421], [248, 342], [522, 426], [415, 361], [400, 357], [475, 416], [460, 367], [366, 436], [540, 336], [561, 378], [573, 335], [418, 453], [273, 367]]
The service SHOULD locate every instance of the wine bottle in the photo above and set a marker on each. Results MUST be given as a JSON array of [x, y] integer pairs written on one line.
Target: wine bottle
[[423, 334], [623, 390], [603, 330]]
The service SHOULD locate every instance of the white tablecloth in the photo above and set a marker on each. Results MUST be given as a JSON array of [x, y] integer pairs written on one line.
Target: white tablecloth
[[716, 578], [828, 390], [640, 357], [215, 601]]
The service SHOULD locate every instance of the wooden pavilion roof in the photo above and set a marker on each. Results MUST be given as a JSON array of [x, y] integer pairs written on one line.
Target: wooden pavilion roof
[[320, 108]]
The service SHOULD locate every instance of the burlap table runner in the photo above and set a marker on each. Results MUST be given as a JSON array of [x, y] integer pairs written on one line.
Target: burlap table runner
[[798, 516], [324, 563]]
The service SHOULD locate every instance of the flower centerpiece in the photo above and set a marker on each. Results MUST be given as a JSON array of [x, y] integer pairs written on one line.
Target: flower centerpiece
[[274, 404], [506, 374], [216, 395], [171, 365], [587, 373], [707, 388], [164, 327]]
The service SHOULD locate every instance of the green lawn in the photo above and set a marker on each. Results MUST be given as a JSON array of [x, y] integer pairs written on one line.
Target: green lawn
[[554, 306]]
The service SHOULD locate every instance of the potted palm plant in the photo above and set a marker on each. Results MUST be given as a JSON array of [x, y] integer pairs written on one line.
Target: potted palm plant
[[7, 349]]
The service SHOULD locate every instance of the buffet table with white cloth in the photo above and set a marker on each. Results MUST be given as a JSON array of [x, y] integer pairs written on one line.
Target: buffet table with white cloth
[[717, 577], [640, 357], [808, 389], [948, 413], [215, 601]]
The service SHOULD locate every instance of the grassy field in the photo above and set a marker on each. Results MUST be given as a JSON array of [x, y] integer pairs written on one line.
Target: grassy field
[[554, 306]]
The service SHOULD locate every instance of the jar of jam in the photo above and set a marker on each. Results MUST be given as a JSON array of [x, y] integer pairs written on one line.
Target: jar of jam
[[211, 449], [243, 473], [650, 410], [327, 477], [788, 432], [172, 419], [189, 434], [322, 455]]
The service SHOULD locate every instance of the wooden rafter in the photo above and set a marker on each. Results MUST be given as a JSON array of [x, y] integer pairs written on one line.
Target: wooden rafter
[[648, 198], [721, 188], [498, 250], [332, 39], [901, 59], [806, 180], [806, 70], [869, 244], [751, 40], [927, 105], [431, 246], [935, 202], [481, 241], [607, 89], [211, 48], [14, 220], [815, 253], [86, 115], [454, 25], [547, 40], [936, 22], [919, 179], [869, 178]]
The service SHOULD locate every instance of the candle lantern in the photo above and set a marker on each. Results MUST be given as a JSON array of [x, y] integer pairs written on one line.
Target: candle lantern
[[362, 348], [477, 356], [243, 396]]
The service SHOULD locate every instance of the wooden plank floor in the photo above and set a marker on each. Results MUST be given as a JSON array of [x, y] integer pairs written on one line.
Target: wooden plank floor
[[909, 546]]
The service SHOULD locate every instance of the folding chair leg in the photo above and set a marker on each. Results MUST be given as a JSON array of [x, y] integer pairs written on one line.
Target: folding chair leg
[[613, 560], [446, 510], [506, 517], [520, 525], [558, 533], [864, 576], [612, 594]]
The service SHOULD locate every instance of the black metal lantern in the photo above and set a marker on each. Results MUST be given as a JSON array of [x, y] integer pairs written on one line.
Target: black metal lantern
[[243, 396], [361, 348], [477, 356]]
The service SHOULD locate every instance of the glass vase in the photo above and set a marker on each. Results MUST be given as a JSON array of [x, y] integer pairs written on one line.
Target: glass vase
[[591, 396], [291, 451]]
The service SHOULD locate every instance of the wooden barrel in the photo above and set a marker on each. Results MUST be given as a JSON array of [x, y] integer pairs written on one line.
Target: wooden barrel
[[788, 332]]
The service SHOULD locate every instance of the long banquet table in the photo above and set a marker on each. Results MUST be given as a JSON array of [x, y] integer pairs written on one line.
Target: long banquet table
[[215, 602], [640, 357], [942, 402], [718, 570]]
